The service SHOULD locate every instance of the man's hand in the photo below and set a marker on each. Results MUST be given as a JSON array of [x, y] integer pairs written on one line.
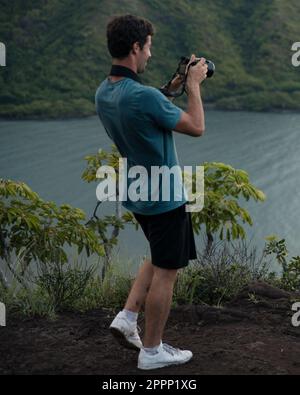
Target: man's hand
[[195, 74], [176, 83]]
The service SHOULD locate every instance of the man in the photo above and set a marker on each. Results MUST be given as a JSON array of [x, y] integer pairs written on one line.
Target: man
[[140, 119]]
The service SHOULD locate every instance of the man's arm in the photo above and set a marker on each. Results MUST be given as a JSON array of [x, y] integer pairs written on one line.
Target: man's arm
[[192, 122]]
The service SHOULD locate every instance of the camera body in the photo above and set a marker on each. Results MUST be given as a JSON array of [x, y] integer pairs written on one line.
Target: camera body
[[184, 61]]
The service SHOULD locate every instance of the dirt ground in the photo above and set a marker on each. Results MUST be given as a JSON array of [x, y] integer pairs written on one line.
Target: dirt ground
[[247, 336]]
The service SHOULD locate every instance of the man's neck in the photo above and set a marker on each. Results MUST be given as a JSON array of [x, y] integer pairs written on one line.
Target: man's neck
[[125, 63], [119, 71]]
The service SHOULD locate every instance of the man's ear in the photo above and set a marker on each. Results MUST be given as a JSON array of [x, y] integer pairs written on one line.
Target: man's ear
[[136, 47]]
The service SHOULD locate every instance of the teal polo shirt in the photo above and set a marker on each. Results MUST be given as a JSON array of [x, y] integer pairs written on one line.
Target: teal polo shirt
[[139, 119]]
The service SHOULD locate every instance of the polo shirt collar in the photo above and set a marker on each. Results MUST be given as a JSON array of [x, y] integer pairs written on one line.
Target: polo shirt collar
[[122, 71]]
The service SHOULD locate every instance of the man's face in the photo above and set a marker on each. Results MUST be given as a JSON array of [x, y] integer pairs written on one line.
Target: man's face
[[143, 55]]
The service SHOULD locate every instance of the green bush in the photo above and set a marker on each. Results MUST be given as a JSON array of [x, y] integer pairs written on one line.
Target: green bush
[[27, 301], [39, 229], [217, 277], [63, 284], [290, 277]]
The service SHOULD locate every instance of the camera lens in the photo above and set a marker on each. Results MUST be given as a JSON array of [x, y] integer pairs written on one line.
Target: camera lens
[[210, 68]]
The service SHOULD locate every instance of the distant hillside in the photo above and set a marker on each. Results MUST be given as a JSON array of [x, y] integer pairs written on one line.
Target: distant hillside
[[56, 51]]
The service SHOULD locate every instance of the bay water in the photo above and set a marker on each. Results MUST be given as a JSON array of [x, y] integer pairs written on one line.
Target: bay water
[[48, 155]]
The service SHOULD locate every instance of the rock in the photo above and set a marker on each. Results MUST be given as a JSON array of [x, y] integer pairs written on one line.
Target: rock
[[264, 290]]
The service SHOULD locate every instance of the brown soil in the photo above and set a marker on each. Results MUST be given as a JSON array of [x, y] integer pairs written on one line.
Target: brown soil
[[244, 337]]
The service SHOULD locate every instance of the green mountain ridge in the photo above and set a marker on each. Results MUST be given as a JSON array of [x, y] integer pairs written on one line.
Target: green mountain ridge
[[57, 55]]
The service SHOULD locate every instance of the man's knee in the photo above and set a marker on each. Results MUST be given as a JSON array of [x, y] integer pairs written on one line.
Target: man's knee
[[166, 274]]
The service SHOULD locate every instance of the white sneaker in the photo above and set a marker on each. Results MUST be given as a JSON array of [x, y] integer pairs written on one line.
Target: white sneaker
[[166, 355], [126, 332]]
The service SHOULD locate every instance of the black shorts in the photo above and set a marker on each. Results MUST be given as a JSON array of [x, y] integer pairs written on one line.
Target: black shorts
[[171, 237]]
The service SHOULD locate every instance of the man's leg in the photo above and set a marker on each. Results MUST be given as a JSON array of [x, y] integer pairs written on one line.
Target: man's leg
[[124, 327], [158, 304], [140, 288], [153, 354]]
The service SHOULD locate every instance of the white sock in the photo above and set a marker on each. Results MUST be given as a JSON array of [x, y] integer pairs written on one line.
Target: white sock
[[130, 315]]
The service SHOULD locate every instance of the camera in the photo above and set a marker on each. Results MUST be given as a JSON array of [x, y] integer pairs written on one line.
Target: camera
[[184, 61], [181, 71]]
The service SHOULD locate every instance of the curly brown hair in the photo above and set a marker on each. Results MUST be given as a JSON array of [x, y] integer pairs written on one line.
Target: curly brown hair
[[123, 31]]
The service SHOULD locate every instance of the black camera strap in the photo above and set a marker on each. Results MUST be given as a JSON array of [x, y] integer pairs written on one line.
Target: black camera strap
[[165, 88], [122, 71]]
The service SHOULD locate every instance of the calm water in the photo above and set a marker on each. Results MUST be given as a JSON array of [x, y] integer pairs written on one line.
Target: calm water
[[49, 157]]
